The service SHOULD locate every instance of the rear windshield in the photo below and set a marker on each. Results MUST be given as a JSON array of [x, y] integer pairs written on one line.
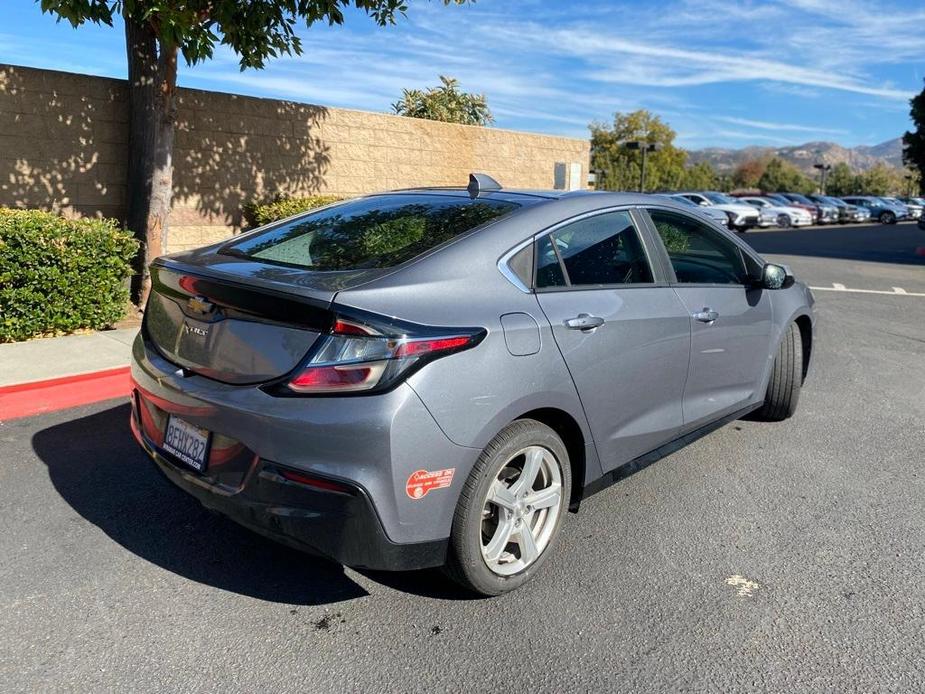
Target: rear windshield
[[375, 232]]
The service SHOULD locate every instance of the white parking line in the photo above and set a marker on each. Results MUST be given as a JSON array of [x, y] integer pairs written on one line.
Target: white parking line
[[896, 291]]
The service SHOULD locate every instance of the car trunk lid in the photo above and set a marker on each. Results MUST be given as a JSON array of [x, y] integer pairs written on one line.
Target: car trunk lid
[[234, 321]]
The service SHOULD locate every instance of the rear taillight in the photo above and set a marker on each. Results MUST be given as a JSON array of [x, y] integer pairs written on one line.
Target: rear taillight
[[372, 355]]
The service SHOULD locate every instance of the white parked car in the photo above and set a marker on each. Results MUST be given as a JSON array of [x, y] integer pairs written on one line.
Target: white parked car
[[714, 213], [741, 216], [773, 213]]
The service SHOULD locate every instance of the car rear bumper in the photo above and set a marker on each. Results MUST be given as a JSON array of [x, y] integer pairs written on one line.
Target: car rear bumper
[[371, 445], [338, 524]]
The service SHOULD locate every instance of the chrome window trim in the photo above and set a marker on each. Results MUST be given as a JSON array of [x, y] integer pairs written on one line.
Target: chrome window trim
[[505, 269]]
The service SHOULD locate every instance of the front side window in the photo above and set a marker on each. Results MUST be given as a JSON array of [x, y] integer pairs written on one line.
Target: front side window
[[600, 250], [374, 232], [699, 255], [721, 199]]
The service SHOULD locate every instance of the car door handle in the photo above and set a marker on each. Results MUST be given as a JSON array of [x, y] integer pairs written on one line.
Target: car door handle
[[583, 321], [708, 315]]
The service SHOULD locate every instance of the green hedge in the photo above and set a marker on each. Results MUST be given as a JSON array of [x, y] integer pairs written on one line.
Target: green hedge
[[257, 214], [59, 275]]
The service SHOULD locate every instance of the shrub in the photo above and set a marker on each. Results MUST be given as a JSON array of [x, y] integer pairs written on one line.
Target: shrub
[[257, 214], [59, 275]]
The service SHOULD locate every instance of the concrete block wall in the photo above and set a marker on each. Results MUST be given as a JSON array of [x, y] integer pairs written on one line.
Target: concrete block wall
[[63, 146]]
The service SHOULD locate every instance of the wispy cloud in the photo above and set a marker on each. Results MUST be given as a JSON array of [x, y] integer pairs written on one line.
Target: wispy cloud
[[786, 127], [721, 71], [656, 65]]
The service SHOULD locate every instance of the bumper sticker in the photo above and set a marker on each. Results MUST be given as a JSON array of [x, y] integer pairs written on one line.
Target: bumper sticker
[[422, 481]]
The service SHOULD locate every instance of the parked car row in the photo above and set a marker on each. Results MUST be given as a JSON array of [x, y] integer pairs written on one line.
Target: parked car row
[[742, 211]]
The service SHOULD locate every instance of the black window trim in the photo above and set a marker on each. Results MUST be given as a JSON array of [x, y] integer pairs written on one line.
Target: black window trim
[[744, 249]]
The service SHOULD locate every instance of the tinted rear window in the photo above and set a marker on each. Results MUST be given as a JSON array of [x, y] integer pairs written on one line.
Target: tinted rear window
[[374, 232]]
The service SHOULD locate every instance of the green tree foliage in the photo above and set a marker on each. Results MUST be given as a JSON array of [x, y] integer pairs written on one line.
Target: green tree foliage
[[156, 32], [444, 103], [621, 167], [912, 182], [675, 240], [724, 183], [257, 214], [748, 173], [701, 176], [914, 141], [881, 180], [842, 181], [256, 30], [782, 177]]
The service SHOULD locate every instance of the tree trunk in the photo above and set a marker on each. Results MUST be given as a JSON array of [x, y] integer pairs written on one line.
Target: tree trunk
[[152, 74]]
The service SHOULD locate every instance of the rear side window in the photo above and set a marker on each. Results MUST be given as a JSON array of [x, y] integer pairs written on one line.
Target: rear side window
[[374, 232], [698, 254], [600, 250]]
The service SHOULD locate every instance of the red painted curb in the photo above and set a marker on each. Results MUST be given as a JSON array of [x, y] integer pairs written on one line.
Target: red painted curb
[[38, 397]]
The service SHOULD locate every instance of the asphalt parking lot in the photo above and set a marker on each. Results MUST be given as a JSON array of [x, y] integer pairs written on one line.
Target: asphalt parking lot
[[766, 557]]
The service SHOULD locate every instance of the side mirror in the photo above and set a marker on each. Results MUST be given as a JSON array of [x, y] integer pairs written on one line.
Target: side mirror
[[775, 277], [703, 203]]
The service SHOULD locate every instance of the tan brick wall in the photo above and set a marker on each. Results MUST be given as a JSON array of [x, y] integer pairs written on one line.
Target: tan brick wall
[[63, 146]]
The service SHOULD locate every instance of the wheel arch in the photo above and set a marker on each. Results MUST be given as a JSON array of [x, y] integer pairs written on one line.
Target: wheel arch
[[801, 316], [571, 434]]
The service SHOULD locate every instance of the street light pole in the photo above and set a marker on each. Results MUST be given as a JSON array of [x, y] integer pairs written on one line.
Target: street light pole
[[645, 147], [823, 170]]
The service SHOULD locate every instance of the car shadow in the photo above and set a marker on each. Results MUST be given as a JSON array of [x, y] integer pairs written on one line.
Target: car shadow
[[97, 467]]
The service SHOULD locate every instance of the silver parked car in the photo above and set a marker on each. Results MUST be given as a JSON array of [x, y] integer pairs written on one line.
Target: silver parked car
[[775, 214], [433, 377], [711, 212], [741, 216]]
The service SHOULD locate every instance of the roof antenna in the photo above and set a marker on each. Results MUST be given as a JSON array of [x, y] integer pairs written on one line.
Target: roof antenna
[[481, 183]]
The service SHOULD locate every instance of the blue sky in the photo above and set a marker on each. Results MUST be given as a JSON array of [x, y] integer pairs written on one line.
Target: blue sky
[[722, 73]]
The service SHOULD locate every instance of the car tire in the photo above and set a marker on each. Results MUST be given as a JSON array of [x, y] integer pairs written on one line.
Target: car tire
[[478, 520], [887, 218], [784, 221], [783, 394]]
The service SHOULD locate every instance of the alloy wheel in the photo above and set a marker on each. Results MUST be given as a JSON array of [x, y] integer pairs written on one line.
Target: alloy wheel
[[520, 511]]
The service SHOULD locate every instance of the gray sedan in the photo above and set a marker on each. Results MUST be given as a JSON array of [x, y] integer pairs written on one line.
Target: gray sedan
[[434, 377]]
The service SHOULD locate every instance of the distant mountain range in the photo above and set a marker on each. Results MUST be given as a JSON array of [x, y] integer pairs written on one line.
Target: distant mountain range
[[804, 156]]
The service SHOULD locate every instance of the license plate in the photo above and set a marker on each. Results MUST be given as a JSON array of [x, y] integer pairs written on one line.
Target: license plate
[[187, 443]]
